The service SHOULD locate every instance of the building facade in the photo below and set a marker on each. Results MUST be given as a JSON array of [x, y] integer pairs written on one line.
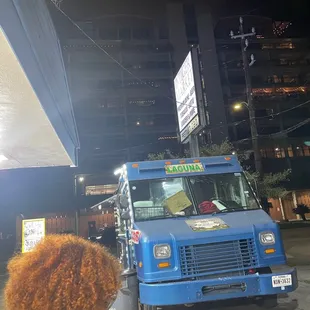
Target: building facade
[[121, 78], [121, 72]]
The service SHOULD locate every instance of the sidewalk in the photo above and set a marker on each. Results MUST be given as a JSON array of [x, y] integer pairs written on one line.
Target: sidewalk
[[2, 268], [294, 224], [297, 246], [2, 284]]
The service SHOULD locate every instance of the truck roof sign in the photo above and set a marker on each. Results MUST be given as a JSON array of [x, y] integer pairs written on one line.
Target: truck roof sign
[[184, 168]]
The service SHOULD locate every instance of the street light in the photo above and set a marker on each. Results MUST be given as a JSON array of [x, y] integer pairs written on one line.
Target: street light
[[239, 105], [81, 179]]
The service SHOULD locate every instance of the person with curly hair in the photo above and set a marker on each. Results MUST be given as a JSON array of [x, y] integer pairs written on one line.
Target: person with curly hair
[[63, 272]]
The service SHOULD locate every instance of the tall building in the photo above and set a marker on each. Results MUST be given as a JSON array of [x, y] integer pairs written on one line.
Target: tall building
[[123, 90], [122, 78], [281, 91]]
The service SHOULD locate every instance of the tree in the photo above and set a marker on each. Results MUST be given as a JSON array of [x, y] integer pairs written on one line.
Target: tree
[[167, 154], [270, 185]]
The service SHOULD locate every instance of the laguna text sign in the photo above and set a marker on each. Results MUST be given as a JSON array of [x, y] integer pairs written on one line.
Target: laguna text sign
[[184, 168]]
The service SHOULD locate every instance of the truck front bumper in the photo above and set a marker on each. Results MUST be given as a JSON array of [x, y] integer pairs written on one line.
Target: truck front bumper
[[187, 292]]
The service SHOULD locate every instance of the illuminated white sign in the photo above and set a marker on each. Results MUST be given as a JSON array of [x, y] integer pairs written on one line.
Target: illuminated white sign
[[95, 190], [186, 99], [32, 233]]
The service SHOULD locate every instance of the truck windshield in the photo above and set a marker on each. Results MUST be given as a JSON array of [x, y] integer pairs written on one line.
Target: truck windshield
[[188, 196]]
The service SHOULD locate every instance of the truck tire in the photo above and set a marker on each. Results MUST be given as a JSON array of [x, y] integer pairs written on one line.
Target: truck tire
[[146, 307]]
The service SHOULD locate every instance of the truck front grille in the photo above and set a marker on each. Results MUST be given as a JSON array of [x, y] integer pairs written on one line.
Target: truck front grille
[[218, 258]]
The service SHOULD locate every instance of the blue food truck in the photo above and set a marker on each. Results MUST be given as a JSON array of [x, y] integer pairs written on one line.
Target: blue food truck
[[191, 231]]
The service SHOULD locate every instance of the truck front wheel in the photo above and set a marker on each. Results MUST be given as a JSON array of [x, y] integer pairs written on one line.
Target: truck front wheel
[[146, 307]]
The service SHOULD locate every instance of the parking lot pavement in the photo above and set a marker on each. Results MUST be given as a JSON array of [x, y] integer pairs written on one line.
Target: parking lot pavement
[[2, 283], [298, 300]]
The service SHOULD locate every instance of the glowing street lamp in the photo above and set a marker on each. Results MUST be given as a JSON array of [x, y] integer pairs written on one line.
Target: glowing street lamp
[[81, 179], [239, 105]]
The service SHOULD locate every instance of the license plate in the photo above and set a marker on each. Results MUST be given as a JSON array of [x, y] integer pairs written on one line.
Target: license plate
[[282, 281]]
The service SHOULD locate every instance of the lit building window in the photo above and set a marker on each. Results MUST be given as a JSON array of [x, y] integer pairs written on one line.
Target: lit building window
[[142, 102], [285, 45], [267, 46], [299, 151], [168, 138], [306, 150], [289, 79], [279, 153], [277, 79], [290, 151]]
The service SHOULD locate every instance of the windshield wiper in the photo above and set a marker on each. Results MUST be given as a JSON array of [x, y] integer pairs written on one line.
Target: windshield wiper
[[161, 217], [228, 211]]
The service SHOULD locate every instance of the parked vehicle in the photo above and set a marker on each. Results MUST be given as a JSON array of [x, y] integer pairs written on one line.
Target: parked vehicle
[[192, 231]]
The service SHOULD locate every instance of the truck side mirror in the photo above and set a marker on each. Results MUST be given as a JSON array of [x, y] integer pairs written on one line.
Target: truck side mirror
[[125, 215], [122, 202]]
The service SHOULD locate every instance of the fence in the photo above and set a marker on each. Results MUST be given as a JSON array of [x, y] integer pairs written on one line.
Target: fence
[[283, 207], [58, 223]]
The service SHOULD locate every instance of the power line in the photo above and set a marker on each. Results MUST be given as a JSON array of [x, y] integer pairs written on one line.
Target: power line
[[260, 117], [280, 133], [286, 131]]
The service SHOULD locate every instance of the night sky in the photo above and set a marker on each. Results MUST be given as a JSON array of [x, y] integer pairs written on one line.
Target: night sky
[[52, 188]]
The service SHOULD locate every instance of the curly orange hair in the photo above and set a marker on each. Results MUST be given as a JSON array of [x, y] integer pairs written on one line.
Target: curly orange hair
[[63, 272]]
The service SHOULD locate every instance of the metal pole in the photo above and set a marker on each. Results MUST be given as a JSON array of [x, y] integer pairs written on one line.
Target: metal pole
[[194, 146], [77, 209], [248, 84], [295, 202], [283, 213]]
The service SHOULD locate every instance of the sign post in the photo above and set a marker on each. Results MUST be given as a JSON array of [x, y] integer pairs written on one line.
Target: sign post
[[32, 233], [190, 101]]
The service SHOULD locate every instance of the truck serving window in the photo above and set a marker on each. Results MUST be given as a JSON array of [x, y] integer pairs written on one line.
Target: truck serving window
[[188, 196]]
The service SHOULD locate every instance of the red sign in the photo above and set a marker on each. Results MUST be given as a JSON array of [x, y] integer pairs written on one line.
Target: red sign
[[135, 236]]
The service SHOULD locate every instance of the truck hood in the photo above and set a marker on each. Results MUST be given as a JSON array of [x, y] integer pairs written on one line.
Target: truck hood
[[206, 226]]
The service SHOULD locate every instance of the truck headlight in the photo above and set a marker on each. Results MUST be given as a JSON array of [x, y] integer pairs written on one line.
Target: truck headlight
[[162, 251], [267, 238]]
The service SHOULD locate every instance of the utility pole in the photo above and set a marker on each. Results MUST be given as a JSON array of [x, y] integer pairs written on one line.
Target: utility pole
[[246, 66], [77, 207], [194, 146]]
